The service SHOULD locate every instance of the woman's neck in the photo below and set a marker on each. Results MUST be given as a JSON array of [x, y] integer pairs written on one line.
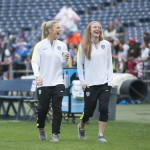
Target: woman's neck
[[50, 38], [95, 40], [143, 48]]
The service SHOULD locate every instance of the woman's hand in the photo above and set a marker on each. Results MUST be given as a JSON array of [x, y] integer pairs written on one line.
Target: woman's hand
[[84, 87], [39, 81], [67, 56]]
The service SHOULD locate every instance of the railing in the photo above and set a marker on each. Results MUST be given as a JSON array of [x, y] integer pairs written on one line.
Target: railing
[[146, 77], [25, 71]]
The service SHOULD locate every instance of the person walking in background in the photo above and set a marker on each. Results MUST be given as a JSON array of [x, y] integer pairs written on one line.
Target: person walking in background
[[132, 62], [95, 54], [71, 50], [146, 37], [133, 45], [74, 61], [120, 31], [145, 58], [73, 38], [120, 48], [5, 58], [21, 53], [139, 67], [110, 33], [47, 63]]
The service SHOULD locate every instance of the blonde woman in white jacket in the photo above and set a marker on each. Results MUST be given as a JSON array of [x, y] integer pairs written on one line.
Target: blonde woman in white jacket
[[95, 55], [47, 64]]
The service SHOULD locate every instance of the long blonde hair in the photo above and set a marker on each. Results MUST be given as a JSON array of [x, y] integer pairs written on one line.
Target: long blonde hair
[[45, 26], [86, 40]]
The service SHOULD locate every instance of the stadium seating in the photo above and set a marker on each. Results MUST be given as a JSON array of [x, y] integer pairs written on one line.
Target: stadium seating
[[28, 15]]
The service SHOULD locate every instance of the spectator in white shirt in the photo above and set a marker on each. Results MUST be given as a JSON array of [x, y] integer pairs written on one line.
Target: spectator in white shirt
[[145, 58]]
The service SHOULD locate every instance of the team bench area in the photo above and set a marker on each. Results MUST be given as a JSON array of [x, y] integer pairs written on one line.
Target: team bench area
[[13, 94]]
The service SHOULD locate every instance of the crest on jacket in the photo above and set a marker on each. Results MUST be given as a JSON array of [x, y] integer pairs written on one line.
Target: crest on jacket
[[102, 46], [59, 48]]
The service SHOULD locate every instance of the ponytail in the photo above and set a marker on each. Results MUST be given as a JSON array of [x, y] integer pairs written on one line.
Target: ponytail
[[43, 30]]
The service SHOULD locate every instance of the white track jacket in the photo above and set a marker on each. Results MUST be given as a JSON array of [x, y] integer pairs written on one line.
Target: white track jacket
[[99, 69], [47, 61]]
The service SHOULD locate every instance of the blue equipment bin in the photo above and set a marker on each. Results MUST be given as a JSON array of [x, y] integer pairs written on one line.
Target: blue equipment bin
[[77, 105]]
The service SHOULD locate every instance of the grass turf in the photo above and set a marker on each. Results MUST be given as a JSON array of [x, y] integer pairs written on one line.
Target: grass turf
[[134, 113], [122, 134]]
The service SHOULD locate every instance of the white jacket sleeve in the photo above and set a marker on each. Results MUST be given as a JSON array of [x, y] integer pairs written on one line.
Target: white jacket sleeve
[[36, 61], [65, 62], [80, 62], [109, 66]]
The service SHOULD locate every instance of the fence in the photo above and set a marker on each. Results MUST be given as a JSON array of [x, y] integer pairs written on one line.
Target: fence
[[23, 69]]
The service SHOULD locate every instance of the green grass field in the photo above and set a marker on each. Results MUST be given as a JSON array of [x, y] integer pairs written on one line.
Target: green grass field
[[130, 131]]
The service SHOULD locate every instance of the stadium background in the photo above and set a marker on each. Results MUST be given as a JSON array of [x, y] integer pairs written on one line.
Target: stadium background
[[17, 15], [131, 129], [19, 18]]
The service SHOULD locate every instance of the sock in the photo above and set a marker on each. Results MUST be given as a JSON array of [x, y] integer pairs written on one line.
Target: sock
[[101, 134]]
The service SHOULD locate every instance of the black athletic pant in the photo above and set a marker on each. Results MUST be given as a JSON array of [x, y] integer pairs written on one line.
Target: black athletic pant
[[45, 94], [91, 95]]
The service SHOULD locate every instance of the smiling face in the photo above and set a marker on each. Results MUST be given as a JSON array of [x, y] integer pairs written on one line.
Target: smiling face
[[55, 31], [95, 30]]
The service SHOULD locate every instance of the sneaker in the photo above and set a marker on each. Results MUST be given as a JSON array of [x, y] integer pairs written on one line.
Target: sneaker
[[42, 134], [54, 138], [101, 139], [81, 133]]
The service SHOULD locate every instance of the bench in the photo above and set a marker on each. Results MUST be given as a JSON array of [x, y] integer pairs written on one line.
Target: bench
[[17, 90]]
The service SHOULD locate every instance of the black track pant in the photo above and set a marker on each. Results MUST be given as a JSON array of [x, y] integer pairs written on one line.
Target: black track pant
[[45, 94], [91, 95]]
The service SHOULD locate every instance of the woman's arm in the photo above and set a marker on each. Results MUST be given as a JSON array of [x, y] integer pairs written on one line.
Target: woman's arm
[[109, 66], [80, 62]]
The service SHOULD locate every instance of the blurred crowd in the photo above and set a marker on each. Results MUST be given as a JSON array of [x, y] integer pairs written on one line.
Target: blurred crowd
[[128, 56], [14, 50]]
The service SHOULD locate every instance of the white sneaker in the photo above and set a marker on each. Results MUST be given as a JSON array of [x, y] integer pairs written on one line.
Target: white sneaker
[[54, 138], [81, 133], [42, 134], [101, 139]]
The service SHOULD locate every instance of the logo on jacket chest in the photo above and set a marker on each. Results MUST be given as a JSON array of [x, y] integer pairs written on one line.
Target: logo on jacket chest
[[59, 48], [45, 48], [103, 46]]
